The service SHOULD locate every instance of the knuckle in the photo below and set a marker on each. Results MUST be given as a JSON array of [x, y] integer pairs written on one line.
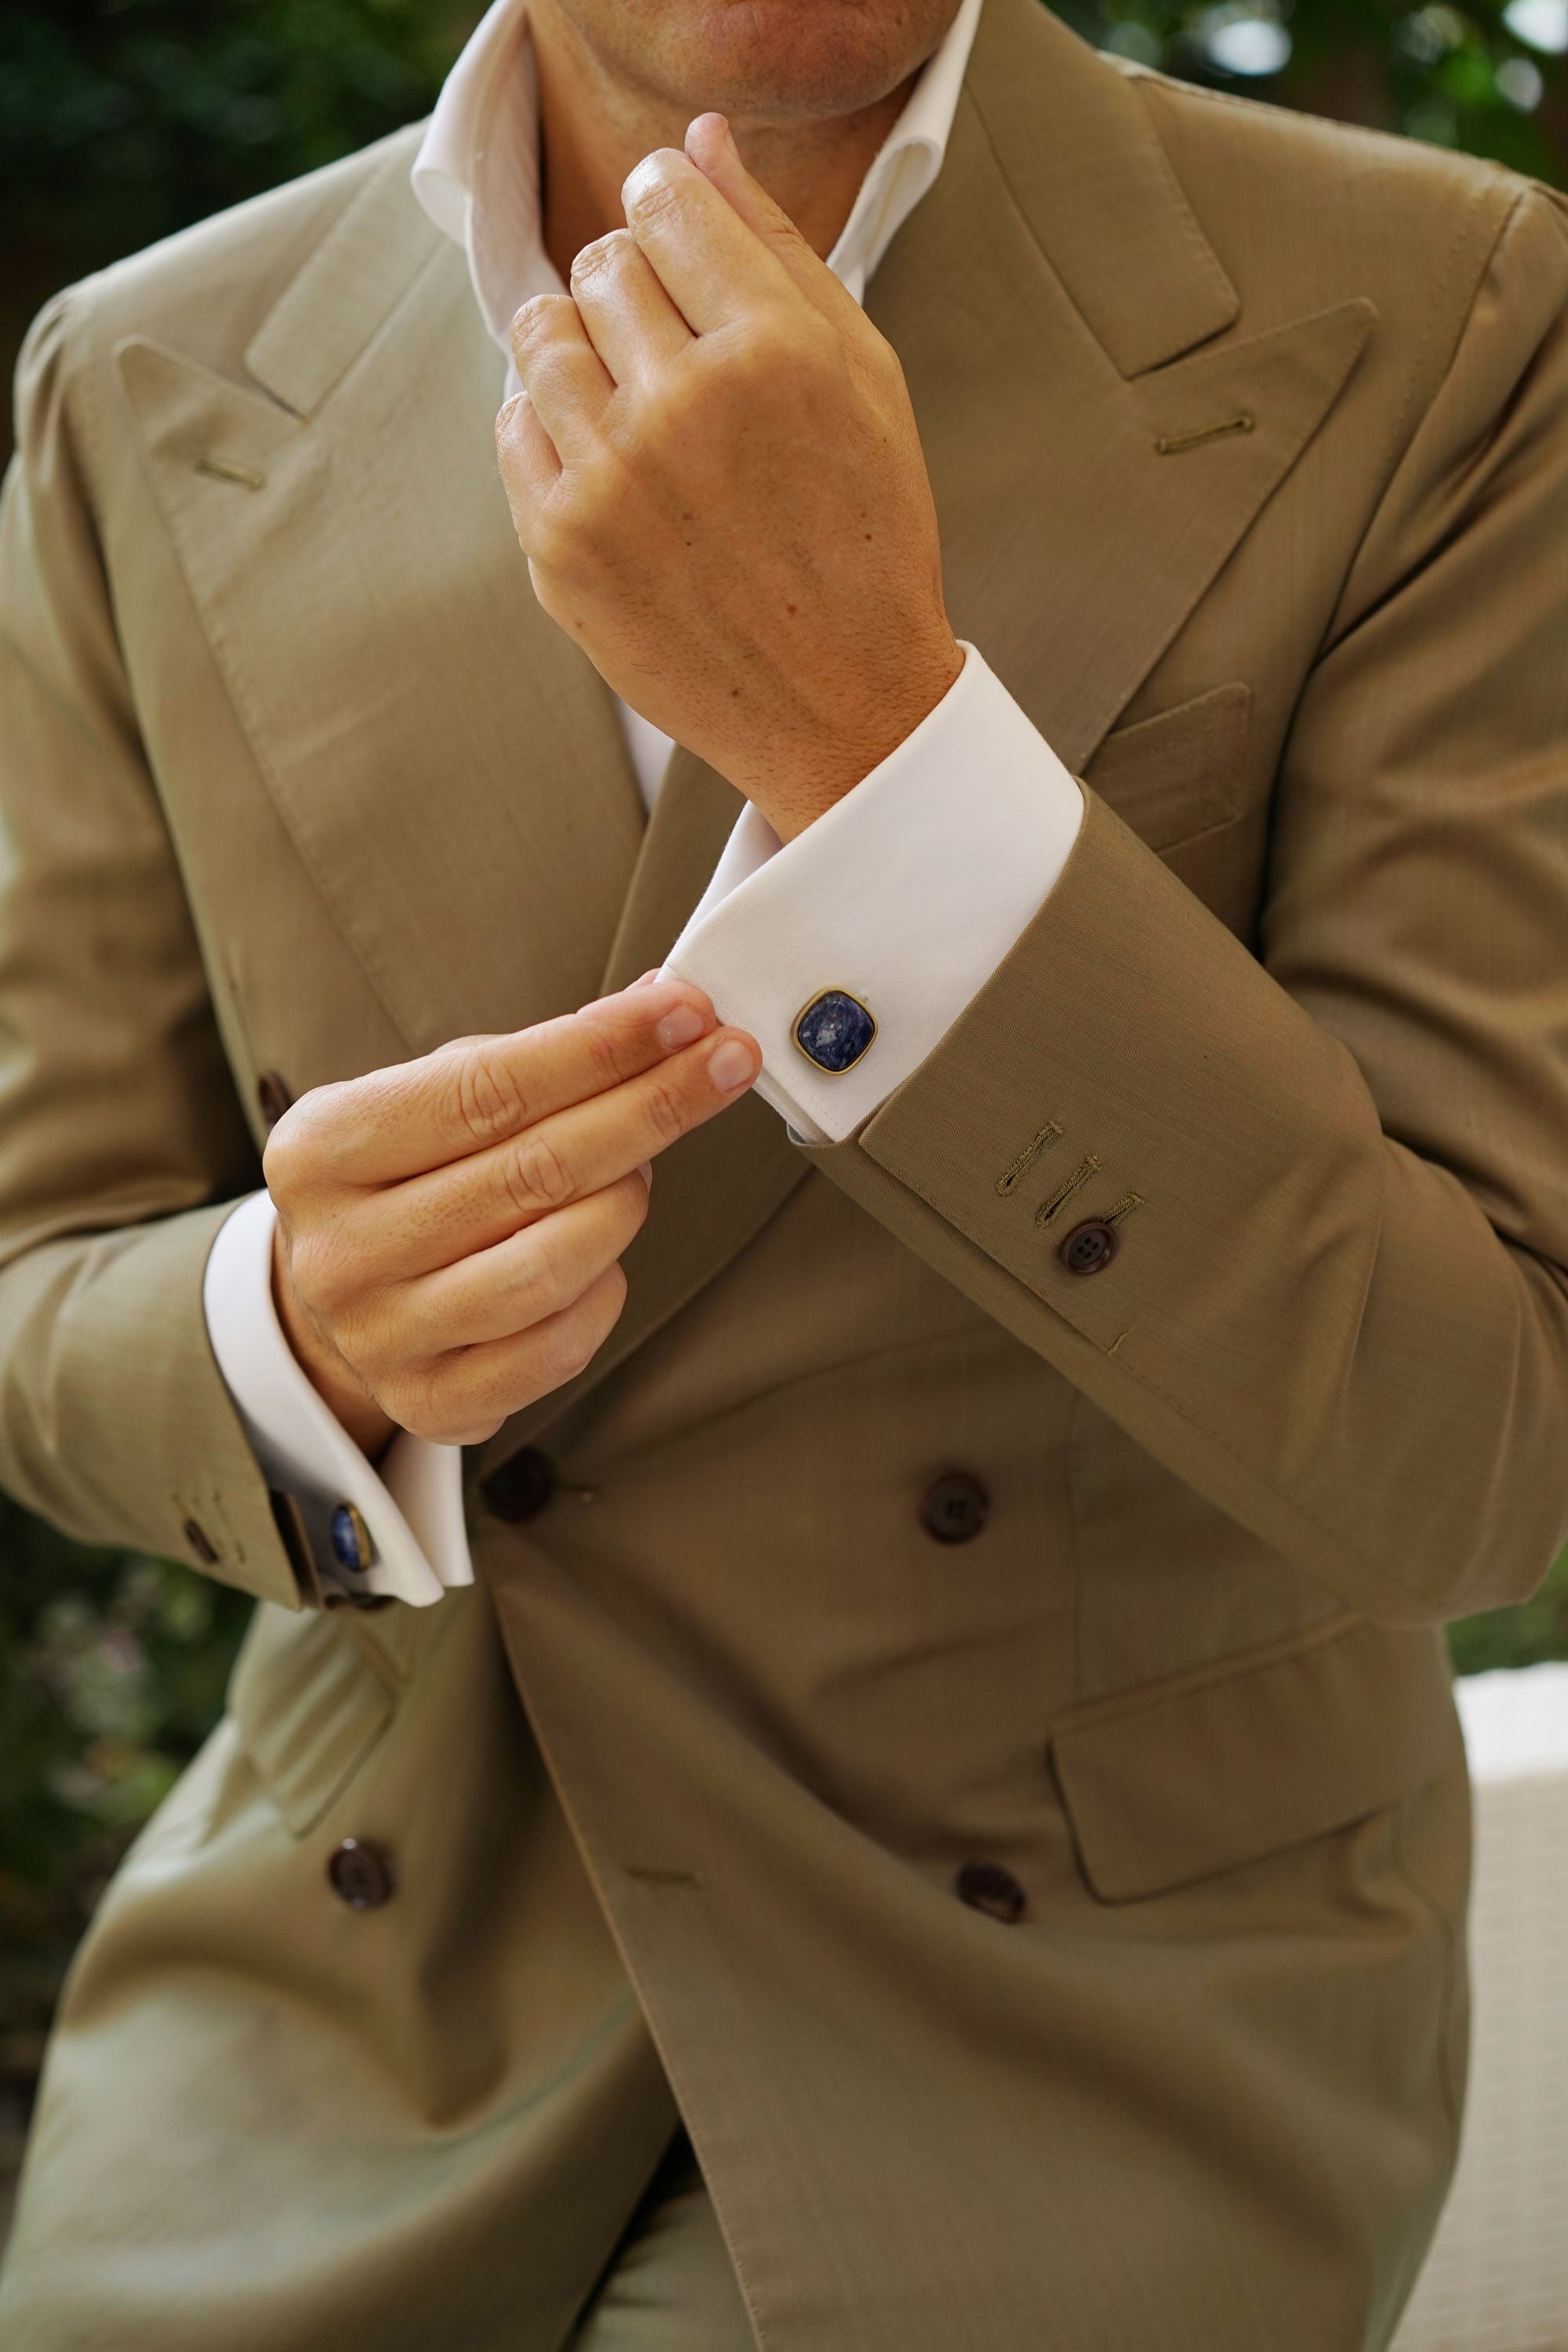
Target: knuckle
[[297, 1155], [673, 422], [880, 359], [575, 1351], [575, 1340], [328, 1278], [373, 1333], [553, 542], [536, 1174], [281, 1168], [530, 1287], [420, 1399], [512, 440], [604, 256], [476, 1432], [312, 1271], [612, 1299], [539, 321], [770, 368], [607, 1052], [571, 536], [656, 190], [666, 1108], [636, 1198], [491, 1100], [598, 506]]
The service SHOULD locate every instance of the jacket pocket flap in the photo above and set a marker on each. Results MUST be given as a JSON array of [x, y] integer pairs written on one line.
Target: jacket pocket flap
[[1180, 772], [309, 1705], [1178, 1782]]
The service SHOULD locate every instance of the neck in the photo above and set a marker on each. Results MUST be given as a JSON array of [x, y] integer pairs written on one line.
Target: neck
[[593, 128]]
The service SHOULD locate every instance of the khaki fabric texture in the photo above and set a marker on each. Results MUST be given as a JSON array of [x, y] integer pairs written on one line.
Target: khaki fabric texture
[[1249, 439]]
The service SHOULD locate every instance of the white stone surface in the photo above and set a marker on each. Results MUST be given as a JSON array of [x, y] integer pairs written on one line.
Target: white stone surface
[[1516, 1725], [1497, 2279]]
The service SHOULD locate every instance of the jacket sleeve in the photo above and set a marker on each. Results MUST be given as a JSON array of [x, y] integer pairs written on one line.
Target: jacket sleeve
[[1336, 1172], [122, 1140]]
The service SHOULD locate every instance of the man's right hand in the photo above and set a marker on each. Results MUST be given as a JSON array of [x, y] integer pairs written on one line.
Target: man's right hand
[[449, 1231]]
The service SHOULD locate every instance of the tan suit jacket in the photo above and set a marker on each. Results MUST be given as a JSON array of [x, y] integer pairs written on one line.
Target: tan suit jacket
[[1249, 437]]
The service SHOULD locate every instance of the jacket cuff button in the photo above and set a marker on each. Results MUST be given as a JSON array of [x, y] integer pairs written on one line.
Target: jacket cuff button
[[1090, 1247], [987, 1886], [954, 1509], [360, 1875]]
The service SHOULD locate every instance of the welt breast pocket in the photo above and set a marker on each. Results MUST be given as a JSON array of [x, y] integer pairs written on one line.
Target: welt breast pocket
[[1181, 772]]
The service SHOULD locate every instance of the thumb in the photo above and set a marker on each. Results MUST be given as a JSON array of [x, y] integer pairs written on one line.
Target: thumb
[[710, 145]]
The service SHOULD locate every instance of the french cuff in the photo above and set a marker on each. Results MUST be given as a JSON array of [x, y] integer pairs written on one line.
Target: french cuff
[[402, 1526], [849, 952]]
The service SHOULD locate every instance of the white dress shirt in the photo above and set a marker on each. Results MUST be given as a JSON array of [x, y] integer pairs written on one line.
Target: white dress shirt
[[907, 893]]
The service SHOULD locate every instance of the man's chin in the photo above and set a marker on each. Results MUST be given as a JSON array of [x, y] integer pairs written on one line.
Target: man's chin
[[778, 61]]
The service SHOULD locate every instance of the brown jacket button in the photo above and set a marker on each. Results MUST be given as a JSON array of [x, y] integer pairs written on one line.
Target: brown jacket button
[[520, 1488], [361, 1875], [1089, 1248], [987, 1886], [955, 1508], [273, 1095]]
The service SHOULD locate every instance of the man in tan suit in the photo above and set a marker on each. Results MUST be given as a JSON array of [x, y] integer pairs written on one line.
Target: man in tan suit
[[950, 1714]]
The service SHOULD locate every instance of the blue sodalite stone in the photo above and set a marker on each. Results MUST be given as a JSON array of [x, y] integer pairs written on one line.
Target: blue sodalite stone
[[835, 1030], [351, 1546]]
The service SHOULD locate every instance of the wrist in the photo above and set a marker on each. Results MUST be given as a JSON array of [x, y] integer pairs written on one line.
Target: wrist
[[794, 795], [345, 1396]]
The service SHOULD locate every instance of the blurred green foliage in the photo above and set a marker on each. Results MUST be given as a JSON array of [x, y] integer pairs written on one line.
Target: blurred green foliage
[[1516, 1637], [112, 1669], [1489, 78], [122, 120]]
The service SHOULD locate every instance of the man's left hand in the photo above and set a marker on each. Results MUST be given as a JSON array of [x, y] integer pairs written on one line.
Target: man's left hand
[[714, 472]]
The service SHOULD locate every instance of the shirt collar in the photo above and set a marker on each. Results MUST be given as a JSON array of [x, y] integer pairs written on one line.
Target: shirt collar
[[476, 172]]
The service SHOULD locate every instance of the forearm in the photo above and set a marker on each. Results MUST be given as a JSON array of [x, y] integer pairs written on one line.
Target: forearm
[[1310, 1325], [118, 1117], [114, 1421]]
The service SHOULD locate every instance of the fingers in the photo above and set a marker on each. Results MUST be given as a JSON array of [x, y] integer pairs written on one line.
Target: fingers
[[530, 466], [475, 1204], [715, 268], [632, 323], [563, 376], [710, 145], [524, 1280], [476, 1092], [462, 1398]]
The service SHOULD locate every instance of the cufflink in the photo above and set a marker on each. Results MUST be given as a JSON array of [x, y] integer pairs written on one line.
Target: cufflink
[[835, 1030], [351, 1546]]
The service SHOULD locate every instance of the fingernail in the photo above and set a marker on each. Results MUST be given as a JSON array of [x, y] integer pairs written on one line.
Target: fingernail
[[679, 1027], [645, 1172], [647, 977], [731, 1064]]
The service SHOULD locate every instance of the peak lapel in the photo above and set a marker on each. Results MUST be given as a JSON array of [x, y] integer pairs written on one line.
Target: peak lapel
[[449, 765], [1056, 304]]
